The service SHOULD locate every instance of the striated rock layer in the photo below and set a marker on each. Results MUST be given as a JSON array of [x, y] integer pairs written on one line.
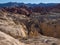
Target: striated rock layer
[[18, 29]]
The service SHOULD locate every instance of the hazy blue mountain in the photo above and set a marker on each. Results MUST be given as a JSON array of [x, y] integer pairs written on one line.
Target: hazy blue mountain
[[12, 4]]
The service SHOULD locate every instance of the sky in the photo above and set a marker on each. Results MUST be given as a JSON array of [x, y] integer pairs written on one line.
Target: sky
[[31, 1]]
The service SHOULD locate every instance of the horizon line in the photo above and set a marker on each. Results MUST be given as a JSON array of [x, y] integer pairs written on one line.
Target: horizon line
[[28, 3]]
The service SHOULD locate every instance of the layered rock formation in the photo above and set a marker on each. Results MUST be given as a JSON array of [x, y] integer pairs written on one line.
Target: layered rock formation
[[19, 29], [5, 39]]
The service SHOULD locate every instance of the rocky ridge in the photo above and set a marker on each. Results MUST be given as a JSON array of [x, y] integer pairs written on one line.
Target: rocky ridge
[[19, 29]]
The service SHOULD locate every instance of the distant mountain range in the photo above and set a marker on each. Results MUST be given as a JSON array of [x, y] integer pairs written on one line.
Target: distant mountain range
[[12, 4]]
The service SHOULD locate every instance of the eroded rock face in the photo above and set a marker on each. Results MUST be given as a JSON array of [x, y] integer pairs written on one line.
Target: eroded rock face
[[17, 29], [46, 25], [9, 26], [36, 25], [5, 39], [17, 10]]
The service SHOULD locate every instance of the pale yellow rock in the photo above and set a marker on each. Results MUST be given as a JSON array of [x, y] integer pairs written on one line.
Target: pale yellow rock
[[5, 39]]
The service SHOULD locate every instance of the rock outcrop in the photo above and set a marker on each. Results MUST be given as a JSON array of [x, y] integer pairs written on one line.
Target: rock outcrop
[[5, 39], [10, 26], [18, 29]]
